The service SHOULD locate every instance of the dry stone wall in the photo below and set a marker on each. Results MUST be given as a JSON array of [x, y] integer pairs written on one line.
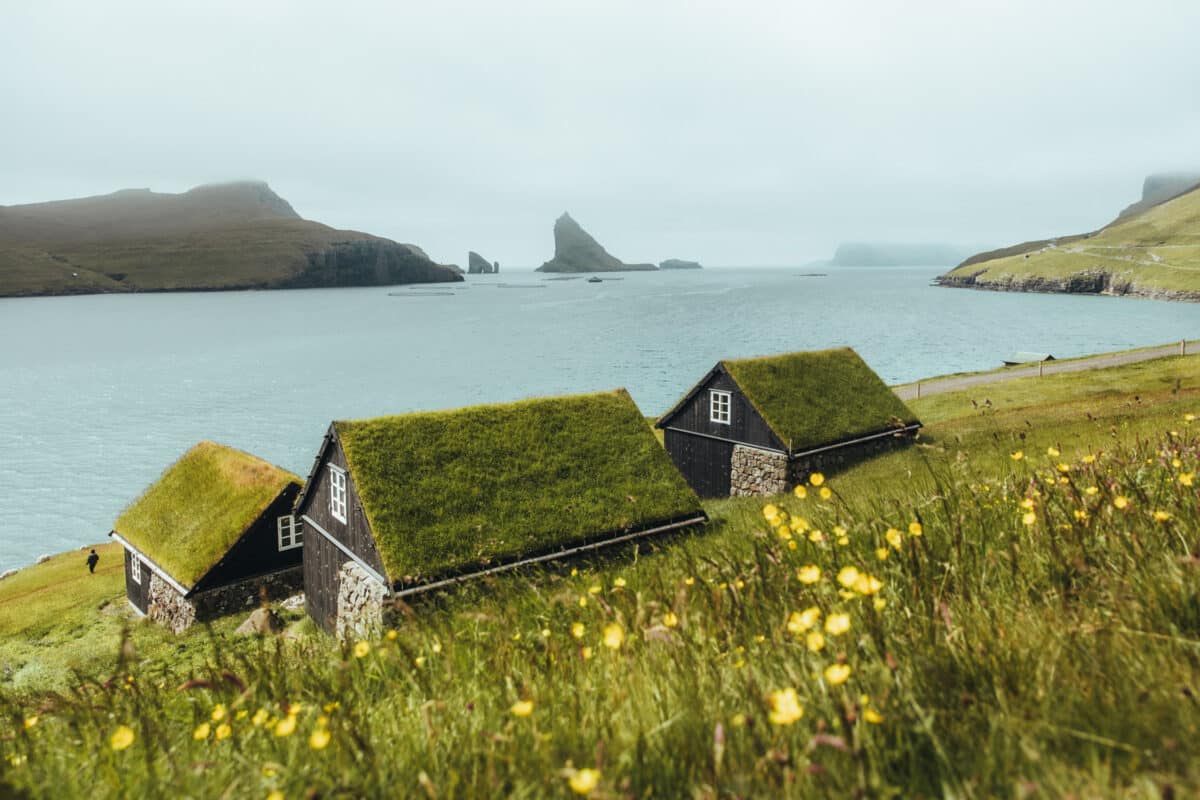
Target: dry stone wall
[[167, 606], [170, 608], [756, 472], [834, 461], [359, 604]]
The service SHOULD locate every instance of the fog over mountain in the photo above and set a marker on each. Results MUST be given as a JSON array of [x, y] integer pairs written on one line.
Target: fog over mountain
[[748, 133]]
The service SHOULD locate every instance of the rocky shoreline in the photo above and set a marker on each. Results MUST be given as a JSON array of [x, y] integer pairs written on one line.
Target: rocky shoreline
[[1097, 282]]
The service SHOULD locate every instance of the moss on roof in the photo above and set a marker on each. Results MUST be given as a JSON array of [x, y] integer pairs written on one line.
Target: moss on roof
[[451, 491], [819, 397], [200, 507]]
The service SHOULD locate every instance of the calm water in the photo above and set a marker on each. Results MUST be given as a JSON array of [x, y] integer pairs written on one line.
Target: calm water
[[99, 394]]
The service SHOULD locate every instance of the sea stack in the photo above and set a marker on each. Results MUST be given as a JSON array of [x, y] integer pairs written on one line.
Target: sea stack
[[576, 251], [478, 265]]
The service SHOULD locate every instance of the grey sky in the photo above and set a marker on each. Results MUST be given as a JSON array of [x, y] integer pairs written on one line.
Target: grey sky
[[736, 133]]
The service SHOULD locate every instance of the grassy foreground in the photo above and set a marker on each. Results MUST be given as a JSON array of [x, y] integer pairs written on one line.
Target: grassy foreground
[[950, 620]]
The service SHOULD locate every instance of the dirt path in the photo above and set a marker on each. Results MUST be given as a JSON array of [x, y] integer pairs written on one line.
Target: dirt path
[[939, 385]]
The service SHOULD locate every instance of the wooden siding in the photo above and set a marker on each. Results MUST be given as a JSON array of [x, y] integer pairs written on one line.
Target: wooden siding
[[745, 424], [322, 561], [704, 462], [355, 532], [138, 593], [257, 552]]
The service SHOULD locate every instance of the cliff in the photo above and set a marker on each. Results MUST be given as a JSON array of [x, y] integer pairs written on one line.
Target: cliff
[[1151, 253], [576, 251], [1160, 188], [222, 236]]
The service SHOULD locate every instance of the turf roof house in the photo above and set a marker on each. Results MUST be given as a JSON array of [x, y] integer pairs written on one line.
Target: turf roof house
[[403, 504], [759, 426], [212, 536]]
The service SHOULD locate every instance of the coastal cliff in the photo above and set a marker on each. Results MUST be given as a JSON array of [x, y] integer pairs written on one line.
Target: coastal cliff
[[217, 237], [576, 251], [1152, 252]]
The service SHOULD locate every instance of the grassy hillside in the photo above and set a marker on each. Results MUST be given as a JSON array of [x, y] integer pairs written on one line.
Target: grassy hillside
[[950, 620], [1153, 253], [229, 236]]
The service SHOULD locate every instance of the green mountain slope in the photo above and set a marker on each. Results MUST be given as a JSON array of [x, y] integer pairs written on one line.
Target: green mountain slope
[[224, 236], [1152, 253]]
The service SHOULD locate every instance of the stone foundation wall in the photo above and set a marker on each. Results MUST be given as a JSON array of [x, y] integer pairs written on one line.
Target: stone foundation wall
[[834, 461], [168, 607], [359, 604], [757, 472]]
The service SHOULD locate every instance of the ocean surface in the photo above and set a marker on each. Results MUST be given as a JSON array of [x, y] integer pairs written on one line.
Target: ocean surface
[[99, 394]]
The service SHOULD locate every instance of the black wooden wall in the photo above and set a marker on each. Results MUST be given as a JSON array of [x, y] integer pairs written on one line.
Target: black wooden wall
[[704, 462], [745, 424], [257, 552], [322, 561], [138, 593]]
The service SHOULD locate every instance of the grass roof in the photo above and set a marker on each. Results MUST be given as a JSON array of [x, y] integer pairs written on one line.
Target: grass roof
[[200, 507], [449, 491], [819, 397]]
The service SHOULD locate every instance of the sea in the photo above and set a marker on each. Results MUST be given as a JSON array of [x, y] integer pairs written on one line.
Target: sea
[[99, 394]]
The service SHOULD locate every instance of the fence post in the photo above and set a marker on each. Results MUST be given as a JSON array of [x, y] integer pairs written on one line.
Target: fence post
[[1183, 347], [1041, 367], [918, 390]]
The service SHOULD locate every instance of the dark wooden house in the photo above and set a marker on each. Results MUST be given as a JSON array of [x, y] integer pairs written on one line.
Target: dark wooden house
[[214, 535], [761, 425], [404, 504]]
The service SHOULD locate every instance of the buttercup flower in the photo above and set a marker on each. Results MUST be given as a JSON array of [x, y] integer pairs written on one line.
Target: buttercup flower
[[837, 674], [584, 781], [785, 707], [614, 636], [121, 738], [522, 708], [837, 624], [810, 573]]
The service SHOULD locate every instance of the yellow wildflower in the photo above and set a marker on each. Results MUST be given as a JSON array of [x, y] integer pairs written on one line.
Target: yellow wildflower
[[391, 635], [784, 532], [274, 794], [574, 572], [218, 712], [30, 721], [584, 781], [809, 573], [619, 583], [1064, 468], [223, 731], [816, 536], [880, 604], [1189, 418], [319, 739], [1029, 518], [1089, 459], [545, 633], [894, 537], [815, 641], [361, 649], [1053, 452], [826, 493], [792, 545], [800, 491], [816, 479], [121, 738], [1186, 478], [688, 581], [837, 674], [1027, 504], [586, 652], [847, 576], [1161, 516], [1081, 515], [872, 716], [799, 525], [522, 708], [594, 589], [259, 717], [1176, 463], [286, 726], [867, 584], [1121, 502], [770, 510], [582, 601], [201, 732], [881, 553], [837, 624], [915, 528], [614, 636], [1016, 455], [1092, 490], [670, 620], [785, 707], [800, 621]]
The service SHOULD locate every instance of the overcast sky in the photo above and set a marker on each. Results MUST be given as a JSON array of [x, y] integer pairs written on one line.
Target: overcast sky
[[737, 133]]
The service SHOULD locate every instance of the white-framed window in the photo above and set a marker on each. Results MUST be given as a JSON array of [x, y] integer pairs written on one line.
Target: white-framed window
[[718, 406], [337, 493], [291, 534], [135, 568]]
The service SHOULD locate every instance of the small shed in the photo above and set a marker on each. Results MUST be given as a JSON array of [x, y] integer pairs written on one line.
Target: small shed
[[759, 426], [403, 504], [1027, 358], [212, 536]]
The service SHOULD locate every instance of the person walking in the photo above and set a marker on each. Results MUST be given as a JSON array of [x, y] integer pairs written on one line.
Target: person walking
[[92, 561]]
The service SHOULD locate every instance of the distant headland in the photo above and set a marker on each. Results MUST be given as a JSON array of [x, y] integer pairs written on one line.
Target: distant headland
[[238, 235]]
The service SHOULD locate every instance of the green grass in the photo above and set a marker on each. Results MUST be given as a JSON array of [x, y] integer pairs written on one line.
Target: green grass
[[815, 398], [1060, 657], [1155, 251], [455, 490], [200, 507]]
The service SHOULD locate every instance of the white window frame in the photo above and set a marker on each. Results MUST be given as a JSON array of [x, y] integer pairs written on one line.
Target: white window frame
[[337, 492], [290, 532], [720, 406], [135, 569]]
